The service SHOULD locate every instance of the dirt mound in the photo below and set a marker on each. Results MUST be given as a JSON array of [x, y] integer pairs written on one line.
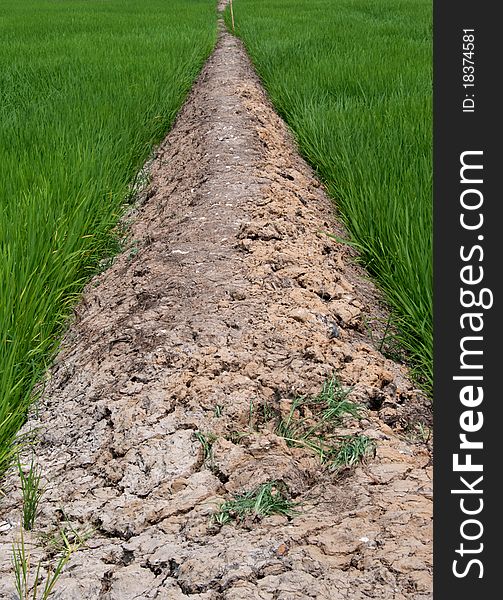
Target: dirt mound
[[230, 303]]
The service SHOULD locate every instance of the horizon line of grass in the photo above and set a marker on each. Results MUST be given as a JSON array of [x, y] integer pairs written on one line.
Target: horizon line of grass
[[353, 80], [87, 89]]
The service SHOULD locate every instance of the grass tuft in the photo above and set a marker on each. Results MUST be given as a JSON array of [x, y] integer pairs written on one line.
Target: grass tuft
[[265, 500], [206, 440], [29, 588], [350, 450], [334, 403], [312, 423], [32, 491], [66, 538], [321, 414]]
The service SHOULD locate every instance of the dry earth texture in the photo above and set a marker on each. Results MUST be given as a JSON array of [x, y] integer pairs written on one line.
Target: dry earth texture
[[229, 303]]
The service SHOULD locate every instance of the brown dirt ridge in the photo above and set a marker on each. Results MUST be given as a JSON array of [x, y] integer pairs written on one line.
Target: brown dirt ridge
[[230, 299]]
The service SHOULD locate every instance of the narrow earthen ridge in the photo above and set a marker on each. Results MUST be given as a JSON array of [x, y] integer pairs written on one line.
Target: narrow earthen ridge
[[229, 298]]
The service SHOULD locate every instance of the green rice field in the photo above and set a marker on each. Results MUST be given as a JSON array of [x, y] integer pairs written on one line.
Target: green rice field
[[353, 79], [87, 87]]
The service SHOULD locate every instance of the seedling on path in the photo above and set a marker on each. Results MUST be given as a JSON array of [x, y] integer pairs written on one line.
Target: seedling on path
[[267, 499], [32, 491], [351, 450], [311, 424], [32, 590], [206, 441], [61, 546]]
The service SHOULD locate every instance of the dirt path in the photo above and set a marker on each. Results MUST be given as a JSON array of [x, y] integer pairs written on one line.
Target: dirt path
[[229, 301]]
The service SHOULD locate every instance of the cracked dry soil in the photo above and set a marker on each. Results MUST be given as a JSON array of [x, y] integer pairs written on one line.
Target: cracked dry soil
[[230, 296]]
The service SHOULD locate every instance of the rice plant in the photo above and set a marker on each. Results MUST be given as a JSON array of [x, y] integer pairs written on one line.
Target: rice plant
[[32, 491], [41, 584]]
